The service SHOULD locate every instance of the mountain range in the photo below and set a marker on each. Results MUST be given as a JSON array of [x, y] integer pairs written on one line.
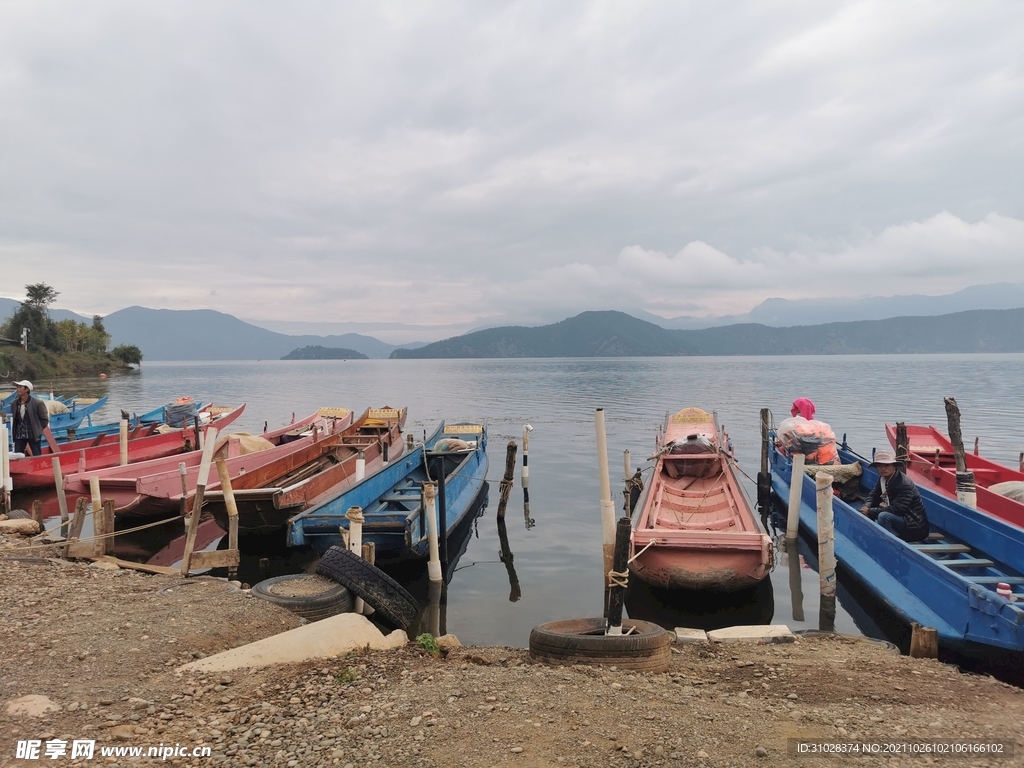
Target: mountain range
[[616, 334]]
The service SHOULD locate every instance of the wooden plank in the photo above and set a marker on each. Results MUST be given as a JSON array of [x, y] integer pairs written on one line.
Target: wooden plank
[[76, 526], [938, 548], [224, 558], [995, 579], [160, 570], [968, 562]]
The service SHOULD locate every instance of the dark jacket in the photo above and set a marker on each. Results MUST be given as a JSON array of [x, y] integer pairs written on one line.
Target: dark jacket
[[36, 416], [905, 501]]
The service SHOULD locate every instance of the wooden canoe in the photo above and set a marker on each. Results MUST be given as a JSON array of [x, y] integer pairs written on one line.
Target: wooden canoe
[[268, 497], [105, 451], [932, 465], [696, 529]]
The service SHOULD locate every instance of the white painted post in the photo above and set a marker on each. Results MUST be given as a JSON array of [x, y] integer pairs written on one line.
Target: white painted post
[[355, 543], [627, 466], [826, 553], [796, 485], [430, 510], [607, 506], [527, 429], [6, 485], [360, 466], [94, 491], [124, 442]]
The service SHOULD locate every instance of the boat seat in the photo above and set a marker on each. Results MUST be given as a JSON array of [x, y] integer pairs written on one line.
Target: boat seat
[[941, 548], [995, 579], [936, 536], [402, 498], [967, 562]]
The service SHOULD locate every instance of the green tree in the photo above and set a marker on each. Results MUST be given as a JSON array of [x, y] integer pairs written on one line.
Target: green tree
[[40, 295], [127, 353]]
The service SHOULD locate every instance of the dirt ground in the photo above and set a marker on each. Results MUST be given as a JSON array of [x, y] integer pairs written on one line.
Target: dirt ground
[[104, 646]]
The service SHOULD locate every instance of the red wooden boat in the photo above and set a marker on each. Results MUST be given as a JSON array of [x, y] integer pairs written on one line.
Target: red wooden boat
[[267, 497], [696, 529], [933, 465], [105, 451], [154, 487]]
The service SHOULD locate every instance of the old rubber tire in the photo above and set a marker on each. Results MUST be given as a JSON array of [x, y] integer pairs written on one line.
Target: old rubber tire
[[18, 514], [333, 600], [582, 641], [382, 593]]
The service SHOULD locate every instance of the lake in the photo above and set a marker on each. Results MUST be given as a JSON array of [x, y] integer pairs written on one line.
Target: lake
[[558, 559]]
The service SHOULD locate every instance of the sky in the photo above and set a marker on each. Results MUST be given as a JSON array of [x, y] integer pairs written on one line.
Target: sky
[[444, 166]]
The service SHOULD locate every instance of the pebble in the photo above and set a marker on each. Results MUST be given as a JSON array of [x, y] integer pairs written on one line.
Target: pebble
[[761, 751], [517, 750]]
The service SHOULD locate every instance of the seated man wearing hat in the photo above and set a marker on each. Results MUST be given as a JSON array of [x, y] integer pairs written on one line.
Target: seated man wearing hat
[[895, 502], [31, 420]]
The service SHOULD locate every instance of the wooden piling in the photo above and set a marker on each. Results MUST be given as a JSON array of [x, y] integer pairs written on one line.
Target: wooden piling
[[123, 440], [618, 577], [62, 499], [902, 443], [103, 522], [527, 429], [764, 477], [796, 486], [75, 532], [607, 505], [232, 508], [506, 557], [5, 472], [197, 501], [796, 584], [924, 642], [966, 489], [506, 481], [826, 553], [37, 513]]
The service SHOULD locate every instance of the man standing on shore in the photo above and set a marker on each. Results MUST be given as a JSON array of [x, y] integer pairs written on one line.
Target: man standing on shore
[[31, 420]]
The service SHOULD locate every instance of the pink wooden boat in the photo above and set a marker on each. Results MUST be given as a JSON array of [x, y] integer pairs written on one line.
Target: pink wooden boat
[[155, 487], [932, 465], [105, 451], [268, 496], [696, 529]]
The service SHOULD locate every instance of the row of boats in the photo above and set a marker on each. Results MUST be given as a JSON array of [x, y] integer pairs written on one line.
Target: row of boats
[[300, 479]]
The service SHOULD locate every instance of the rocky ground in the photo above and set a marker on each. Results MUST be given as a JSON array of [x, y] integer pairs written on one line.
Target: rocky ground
[[103, 646]]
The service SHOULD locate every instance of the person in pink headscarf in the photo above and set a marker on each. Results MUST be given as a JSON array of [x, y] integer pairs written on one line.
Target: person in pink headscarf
[[803, 407]]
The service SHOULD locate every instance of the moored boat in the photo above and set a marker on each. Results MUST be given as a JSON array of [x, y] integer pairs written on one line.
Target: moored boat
[[392, 500], [267, 497], [948, 582], [931, 464], [105, 451], [696, 529]]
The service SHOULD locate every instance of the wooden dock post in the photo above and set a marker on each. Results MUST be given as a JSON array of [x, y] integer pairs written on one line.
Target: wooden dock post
[[506, 557], [442, 511], [6, 485], [826, 553], [966, 490], [123, 440], [764, 477], [72, 546], [355, 544], [796, 583], [506, 481], [607, 505], [62, 499], [527, 429], [902, 444], [103, 525], [924, 642], [796, 486], [37, 514], [197, 501], [618, 577]]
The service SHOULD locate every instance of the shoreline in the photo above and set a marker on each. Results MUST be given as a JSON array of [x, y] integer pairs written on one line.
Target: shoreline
[[104, 646]]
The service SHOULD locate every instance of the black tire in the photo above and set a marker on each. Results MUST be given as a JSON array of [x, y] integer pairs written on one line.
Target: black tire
[[18, 514], [382, 593], [582, 641], [330, 602]]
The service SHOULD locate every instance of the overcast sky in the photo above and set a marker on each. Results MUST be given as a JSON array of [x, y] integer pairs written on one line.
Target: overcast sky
[[463, 164]]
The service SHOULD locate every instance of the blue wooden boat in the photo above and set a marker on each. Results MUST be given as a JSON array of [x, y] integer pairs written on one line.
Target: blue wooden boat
[[392, 502], [947, 582], [76, 414]]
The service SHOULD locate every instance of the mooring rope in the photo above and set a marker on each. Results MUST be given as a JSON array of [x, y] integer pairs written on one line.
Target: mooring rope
[[94, 537], [650, 544], [619, 578]]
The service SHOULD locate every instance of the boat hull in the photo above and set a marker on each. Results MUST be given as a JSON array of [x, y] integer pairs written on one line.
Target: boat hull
[[718, 569]]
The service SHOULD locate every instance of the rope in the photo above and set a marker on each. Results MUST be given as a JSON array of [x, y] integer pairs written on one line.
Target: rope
[[94, 538], [618, 578], [650, 544]]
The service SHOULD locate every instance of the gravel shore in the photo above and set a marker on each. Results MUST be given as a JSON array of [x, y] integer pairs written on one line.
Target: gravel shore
[[103, 646]]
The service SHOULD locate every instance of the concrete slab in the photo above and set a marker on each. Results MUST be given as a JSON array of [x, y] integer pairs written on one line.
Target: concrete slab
[[685, 635], [317, 640], [770, 633]]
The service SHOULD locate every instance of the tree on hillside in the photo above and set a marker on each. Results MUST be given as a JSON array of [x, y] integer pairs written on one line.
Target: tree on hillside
[[40, 295], [32, 314], [127, 353]]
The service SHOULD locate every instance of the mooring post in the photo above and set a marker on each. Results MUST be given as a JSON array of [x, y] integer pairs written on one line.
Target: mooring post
[[123, 441], [107, 514], [37, 514], [764, 477], [627, 465], [966, 490], [430, 508], [527, 429], [197, 501], [796, 583], [1020, 462], [360, 466], [506, 556], [183, 511], [902, 444], [434, 591], [6, 486], [618, 577], [232, 509], [62, 499], [826, 553], [355, 543], [796, 486], [506, 481], [924, 642], [200, 437], [607, 506]]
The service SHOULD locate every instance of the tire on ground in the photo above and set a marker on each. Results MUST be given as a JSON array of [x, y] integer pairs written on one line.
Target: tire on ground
[[333, 600], [582, 641], [18, 514], [382, 593]]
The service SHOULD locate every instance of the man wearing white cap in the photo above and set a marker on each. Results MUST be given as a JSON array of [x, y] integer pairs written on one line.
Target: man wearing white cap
[[895, 503], [31, 419]]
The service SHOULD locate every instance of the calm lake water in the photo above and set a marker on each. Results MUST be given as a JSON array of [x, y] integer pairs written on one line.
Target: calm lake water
[[558, 560]]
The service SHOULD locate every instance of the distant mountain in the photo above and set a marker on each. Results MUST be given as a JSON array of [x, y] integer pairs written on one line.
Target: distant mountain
[[324, 353], [9, 306], [205, 334], [616, 334], [785, 312]]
